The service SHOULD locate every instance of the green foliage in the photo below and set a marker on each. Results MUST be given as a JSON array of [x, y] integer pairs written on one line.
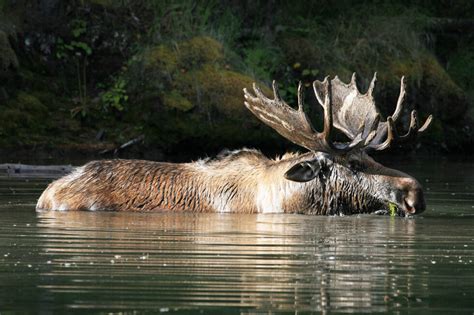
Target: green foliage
[[181, 74], [76, 51], [116, 97], [263, 61], [74, 48], [78, 27], [392, 209], [71, 49], [182, 19]]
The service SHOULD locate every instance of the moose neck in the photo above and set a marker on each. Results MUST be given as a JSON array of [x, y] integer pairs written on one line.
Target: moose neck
[[339, 192], [344, 193]]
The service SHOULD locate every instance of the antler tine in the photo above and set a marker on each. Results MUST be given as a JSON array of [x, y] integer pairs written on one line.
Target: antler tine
[[327, 112], [300, 96], [353, 79], [390, 136], [372, 85], [426, 124], [276, 93], [413, 130], [292, 124], [372, 131], [400, 100], [259, 92]]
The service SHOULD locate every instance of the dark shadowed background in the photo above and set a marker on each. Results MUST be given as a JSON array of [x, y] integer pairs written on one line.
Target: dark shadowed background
[[82, 78]]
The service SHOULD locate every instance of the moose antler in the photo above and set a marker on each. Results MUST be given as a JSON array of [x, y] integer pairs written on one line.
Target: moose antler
[[295, 126], [292, 124], [351, 109], [345, 108]]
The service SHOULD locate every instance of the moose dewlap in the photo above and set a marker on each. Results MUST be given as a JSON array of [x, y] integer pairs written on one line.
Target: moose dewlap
[[332, 178]]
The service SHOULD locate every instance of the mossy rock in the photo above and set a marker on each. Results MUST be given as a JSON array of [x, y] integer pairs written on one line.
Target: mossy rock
[[431, 87], [29, 103], [445, 96], [174, 99], [192, 75], [23, 116], [160, 58], [412, 70], [214, 88], [196, 95], [184, 55], [199, 50]]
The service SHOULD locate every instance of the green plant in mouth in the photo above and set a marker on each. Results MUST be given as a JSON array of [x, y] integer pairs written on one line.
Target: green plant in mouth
[[392, 209]]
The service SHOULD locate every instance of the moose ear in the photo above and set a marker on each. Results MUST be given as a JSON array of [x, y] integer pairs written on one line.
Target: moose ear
[[303, 171]]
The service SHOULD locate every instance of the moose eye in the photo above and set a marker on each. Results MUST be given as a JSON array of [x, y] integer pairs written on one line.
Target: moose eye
[[356, 166]]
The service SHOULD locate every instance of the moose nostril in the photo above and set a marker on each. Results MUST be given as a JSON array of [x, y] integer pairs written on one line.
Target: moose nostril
[[409, 207], [414, 201]]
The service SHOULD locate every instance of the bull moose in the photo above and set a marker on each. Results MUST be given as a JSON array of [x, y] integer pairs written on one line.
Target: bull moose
[[331, 178]]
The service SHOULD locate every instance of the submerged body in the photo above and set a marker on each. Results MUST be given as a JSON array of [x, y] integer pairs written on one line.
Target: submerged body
[[243, 181]]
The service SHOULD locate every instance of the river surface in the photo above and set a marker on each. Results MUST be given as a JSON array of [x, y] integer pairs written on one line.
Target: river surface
[[91, 262]]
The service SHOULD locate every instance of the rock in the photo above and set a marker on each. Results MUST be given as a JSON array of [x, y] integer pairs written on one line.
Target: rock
[[194, 92]]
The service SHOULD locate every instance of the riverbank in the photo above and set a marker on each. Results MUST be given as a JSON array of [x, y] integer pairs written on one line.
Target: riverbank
[[74, 82]]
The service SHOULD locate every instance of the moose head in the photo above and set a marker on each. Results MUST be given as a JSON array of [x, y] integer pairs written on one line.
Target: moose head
[[341, 177]]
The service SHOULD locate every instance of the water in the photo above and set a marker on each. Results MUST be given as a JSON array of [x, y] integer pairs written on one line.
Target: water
[[225, 263]]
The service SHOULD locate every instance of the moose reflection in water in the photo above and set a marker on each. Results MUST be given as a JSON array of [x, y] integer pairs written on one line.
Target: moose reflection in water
[[249, 261], [332, 178]]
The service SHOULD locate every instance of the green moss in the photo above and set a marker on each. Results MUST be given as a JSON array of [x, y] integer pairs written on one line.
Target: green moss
[[160, 57], [200, 98], [217, 89], [429, 86], [23, 117], [199, 50], [192, 74], [411, 69], [446, 97], [184, 55], [175, 100], [436, 75], [29, 103]]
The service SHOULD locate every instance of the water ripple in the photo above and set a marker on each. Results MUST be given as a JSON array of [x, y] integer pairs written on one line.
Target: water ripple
[[216, 263]]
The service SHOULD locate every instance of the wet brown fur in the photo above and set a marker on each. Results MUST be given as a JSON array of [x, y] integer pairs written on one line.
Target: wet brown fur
[[135, 185], [243, 181]]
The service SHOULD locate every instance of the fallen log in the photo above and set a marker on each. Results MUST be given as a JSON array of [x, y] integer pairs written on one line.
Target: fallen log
[[34, 171], [115, 151]]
